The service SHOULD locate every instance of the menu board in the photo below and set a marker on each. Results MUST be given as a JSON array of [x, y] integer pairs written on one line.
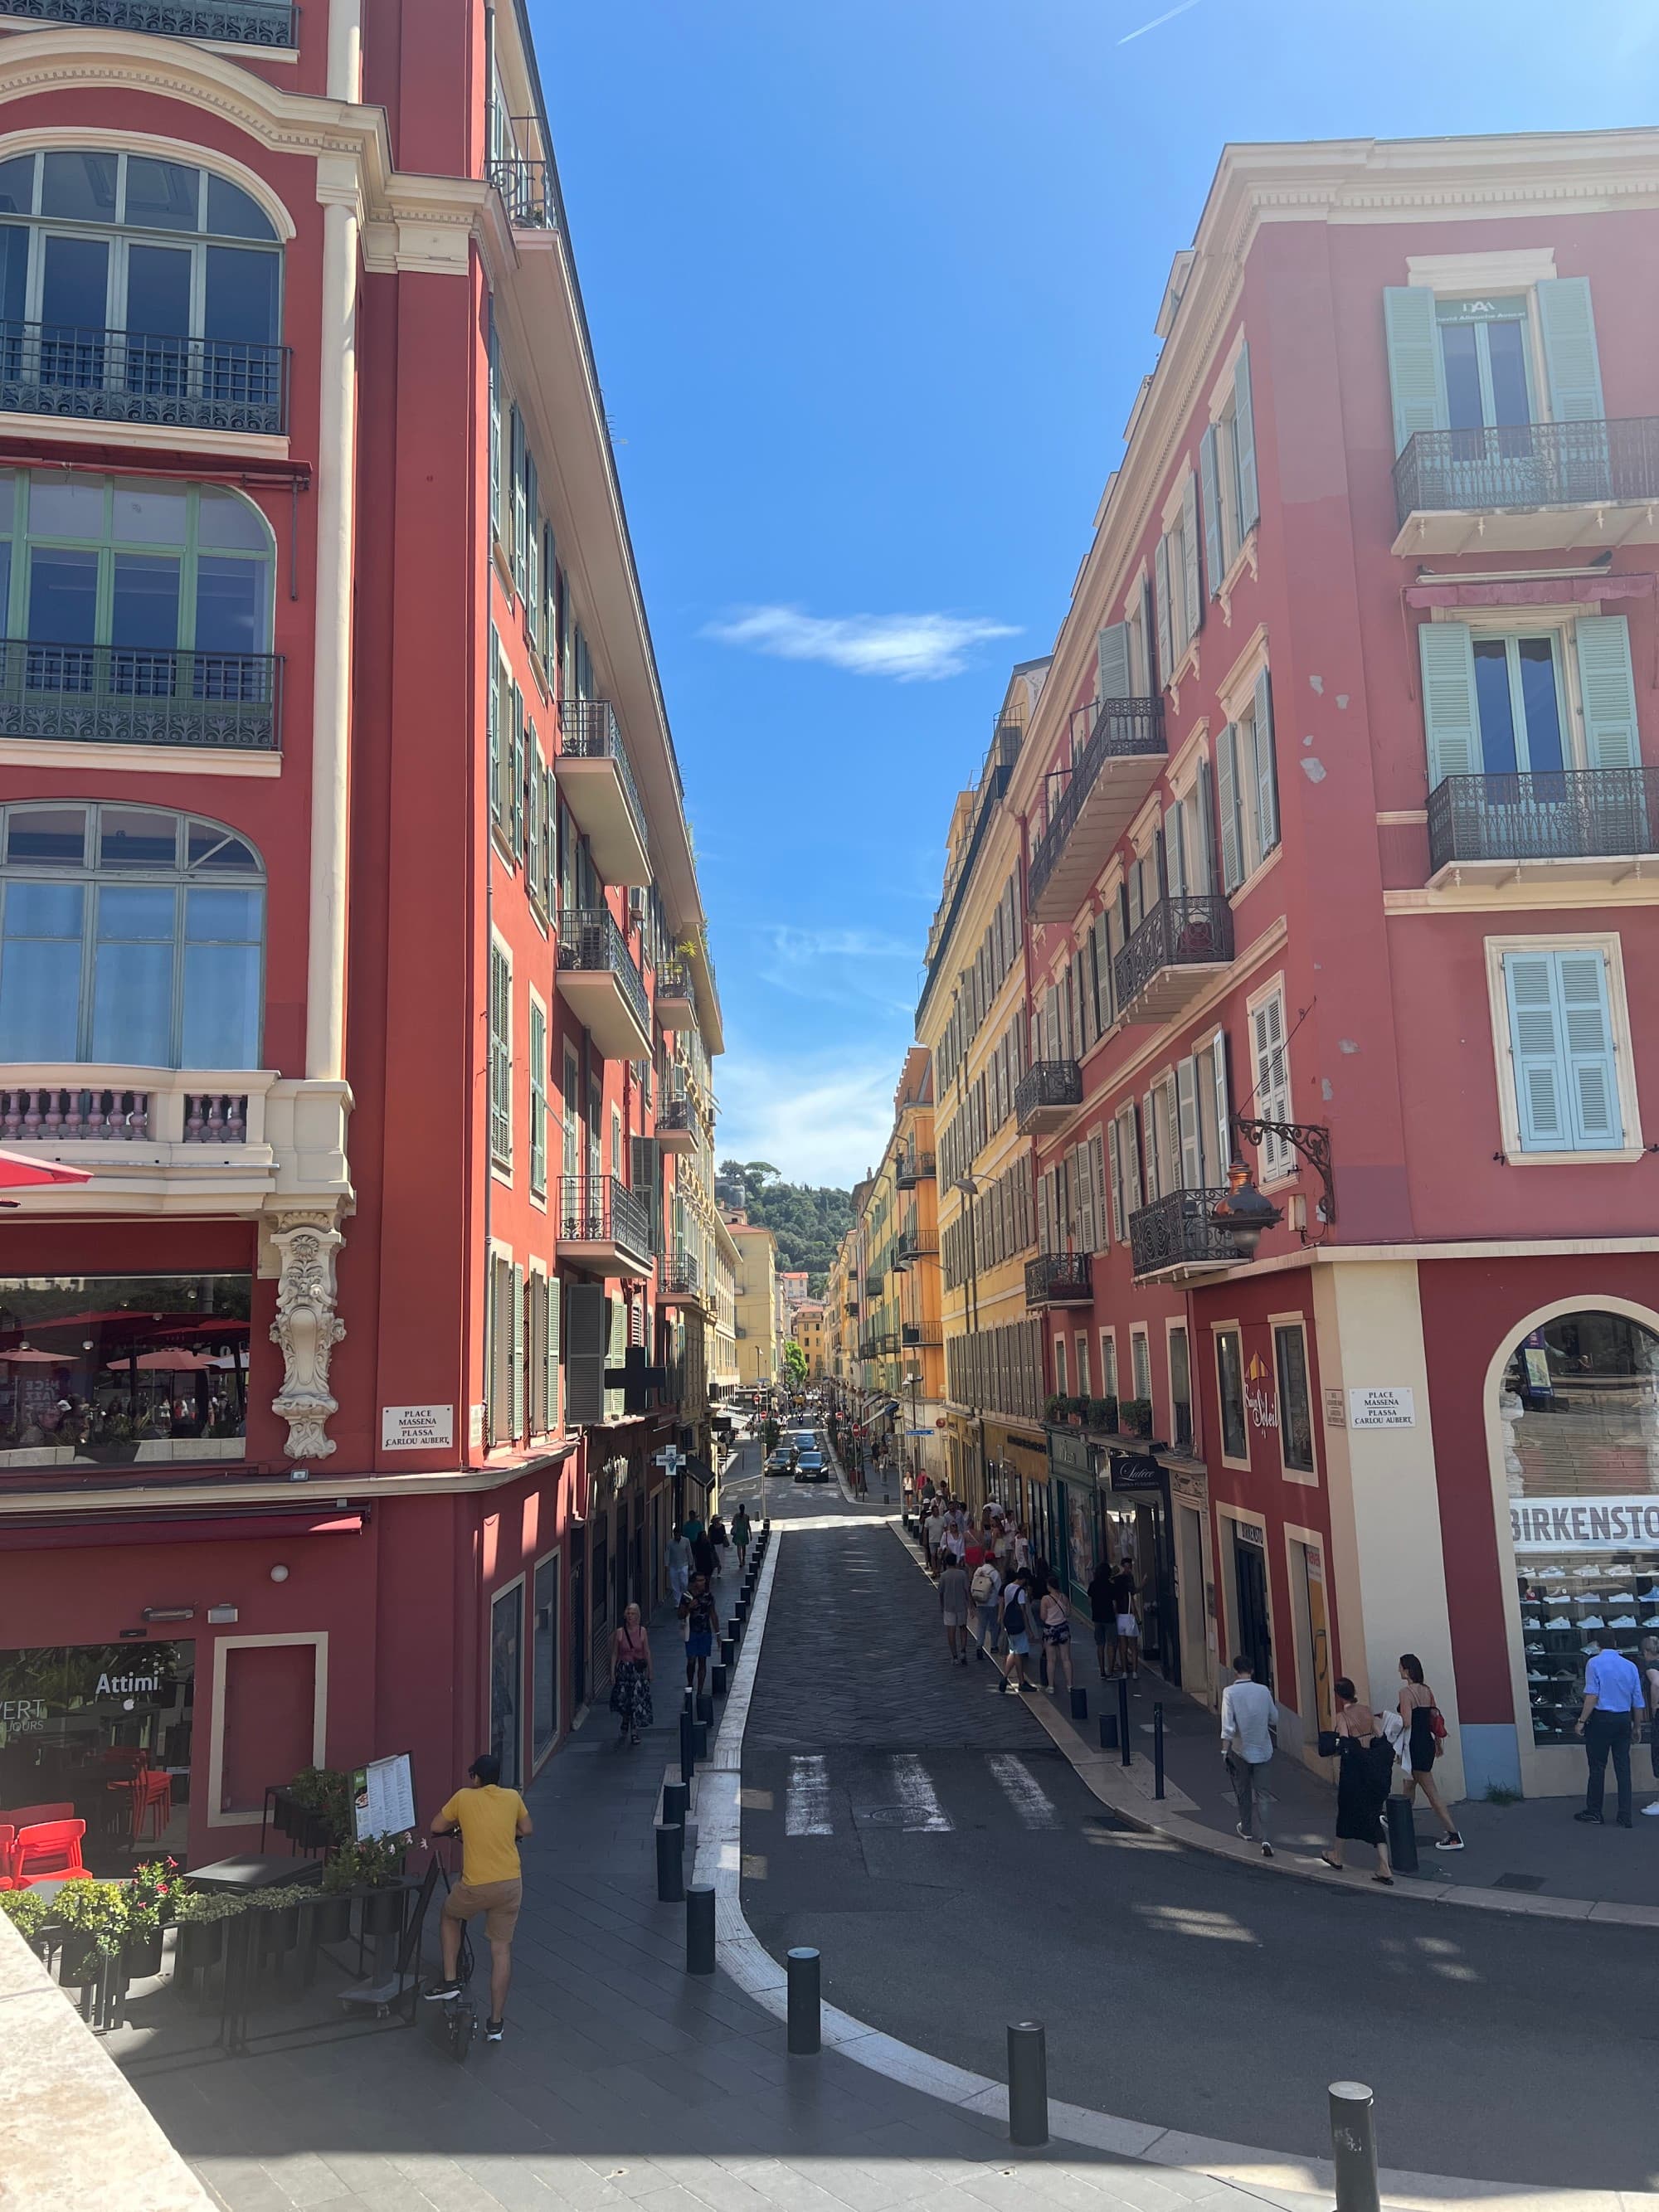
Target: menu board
[[383, 1797]]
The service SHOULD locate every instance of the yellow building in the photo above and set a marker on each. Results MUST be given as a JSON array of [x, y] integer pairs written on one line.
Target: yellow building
[[971, 1019], [756, 1303], [809, 1325]]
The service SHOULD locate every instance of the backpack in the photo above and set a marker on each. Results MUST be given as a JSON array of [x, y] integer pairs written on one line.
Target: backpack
[[1013, 1619], [985, 1585]]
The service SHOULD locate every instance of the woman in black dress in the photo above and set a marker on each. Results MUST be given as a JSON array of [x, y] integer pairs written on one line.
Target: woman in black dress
[[1364, 1776]]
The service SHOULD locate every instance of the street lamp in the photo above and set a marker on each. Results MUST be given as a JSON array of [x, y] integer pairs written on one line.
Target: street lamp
[[1244, 1213]]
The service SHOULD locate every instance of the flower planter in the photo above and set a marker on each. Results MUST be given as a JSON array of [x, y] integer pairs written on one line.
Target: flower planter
[[80, 1961], [383, 1912], [329, 1921], [200, 1943], [141, 1955], [276, 1931]]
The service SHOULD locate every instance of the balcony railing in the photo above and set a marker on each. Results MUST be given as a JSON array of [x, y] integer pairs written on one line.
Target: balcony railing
[[94, 376], [885, 1346], [674, 979], [1553, 814], [1048, 1088], [129, 695], [913, 1168], [679, 1276], [1186, 930], [1176, 1230], [588, 729], [1529, 464], [56, 1114], [911, 1247], [1059, 1279], [676, 1114], [527, 190], [232, 23], [923, 1335], [1119, 729], [602, 1210], [590, 941], [874, 1286]]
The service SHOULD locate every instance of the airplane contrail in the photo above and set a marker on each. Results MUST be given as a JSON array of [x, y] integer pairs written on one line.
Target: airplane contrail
[[1169, 16]]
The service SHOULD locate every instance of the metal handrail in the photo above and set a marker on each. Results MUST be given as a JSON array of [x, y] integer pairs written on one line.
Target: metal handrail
[[682, 1274], [1527, 465], [94, 374], [1550, 814], [1053, 1277], [1188, 929], [139, 695], [526, 194], [589, 939], [602, 1210], [1119, 729], [1048, 1083], [1179, 1230], [588, 729]]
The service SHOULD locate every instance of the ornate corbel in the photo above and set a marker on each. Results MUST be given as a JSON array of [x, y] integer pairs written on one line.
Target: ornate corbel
[[307, 1328]]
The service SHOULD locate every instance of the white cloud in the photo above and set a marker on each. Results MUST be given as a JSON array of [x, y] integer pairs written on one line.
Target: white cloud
[[858, 969], [909, 648], [817, 1122]]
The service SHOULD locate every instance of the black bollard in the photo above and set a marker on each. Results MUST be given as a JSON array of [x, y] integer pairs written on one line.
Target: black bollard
[[739, 1615], [805, 2033], [1079, 1705], [1157, 1750], [699, 1740], [671, 1863], [728, 1651], [1402, 1834], [676, 1803], [1108, 1731], [688, 1748], [1353, 2147], [717, 1679], [1028, 2084], [700, 1928], [705, 1715], [1123, 1717]]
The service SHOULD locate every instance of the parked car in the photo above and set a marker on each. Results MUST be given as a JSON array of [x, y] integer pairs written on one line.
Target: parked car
[[811, 1468]]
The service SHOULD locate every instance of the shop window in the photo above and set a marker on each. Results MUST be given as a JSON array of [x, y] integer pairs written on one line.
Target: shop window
[[1296, 1436], [1579, 1410], [506, 1667], [129, 936], [1229, 1386], [106, 1371]]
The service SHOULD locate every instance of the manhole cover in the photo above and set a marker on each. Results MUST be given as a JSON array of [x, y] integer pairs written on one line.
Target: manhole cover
[[1519, 1881]]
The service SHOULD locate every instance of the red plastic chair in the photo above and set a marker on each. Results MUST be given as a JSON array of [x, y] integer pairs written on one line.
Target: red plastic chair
[[152, 1795], [48, 1852], [8, 1838], [31, 1816]]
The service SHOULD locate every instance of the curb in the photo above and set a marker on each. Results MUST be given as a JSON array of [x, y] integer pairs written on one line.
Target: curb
[[1102, 1777], [754, 1970]]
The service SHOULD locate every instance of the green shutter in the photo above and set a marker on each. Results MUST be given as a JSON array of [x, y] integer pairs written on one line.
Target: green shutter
[[1417, 376], [1570, 353], [1607, 686], [1165, 626], [1250, 495], [1266, 769], [1214, 560], [1112, 662], [1192, 580], [1451, 720], [518, 1351], [1226, 788], [493, 710], [616, 1401]]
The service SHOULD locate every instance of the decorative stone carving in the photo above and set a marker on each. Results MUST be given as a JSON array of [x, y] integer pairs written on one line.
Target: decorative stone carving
[[307, 1328]]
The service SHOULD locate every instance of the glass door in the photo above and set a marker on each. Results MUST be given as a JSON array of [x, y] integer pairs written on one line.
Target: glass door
[[506, 1667], [74, 311]]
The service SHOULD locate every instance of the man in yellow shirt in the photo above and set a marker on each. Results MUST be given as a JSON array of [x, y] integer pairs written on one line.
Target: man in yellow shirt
[[489, 1821]]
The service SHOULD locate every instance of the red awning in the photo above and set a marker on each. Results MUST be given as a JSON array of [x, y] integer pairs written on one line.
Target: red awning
[[66, 1528], [1532, 592]]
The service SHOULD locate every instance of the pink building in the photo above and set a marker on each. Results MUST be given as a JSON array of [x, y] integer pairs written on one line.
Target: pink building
[[1338, 819]]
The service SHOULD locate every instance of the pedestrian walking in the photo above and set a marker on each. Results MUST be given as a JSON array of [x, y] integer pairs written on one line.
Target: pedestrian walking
[[679, 1564], [704, 1560], [720, 1540], [1650, 1680], [1614, 1699], [933, 1535], [1103, 1609], [1127, 1615], [1249, 1737], [1054, 1616], [742, 1537], [1022, 1546], [1364, 1776], [1016, 1634], [631, 1675], [1425, 1731], [985, 1590], [953, 1610], [697, 1612]]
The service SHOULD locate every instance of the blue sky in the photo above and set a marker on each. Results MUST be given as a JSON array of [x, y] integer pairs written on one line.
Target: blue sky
[[871, 286]]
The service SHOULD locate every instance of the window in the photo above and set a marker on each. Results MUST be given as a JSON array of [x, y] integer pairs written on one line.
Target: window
[[1272, 1079], [1179, 590], [1471, 364], [573, 1114], [537, 1100], [151, 290], [1123, 1154], [1563, 1049], [1181, 1390], [535, 836], [1082, 1366], [1497, 703], [1108, 1362], [1232, 505], [129, 935], [1230, 1388], [495, 401], [545, 1657], [1140, 1363], [501, 1057], [1061, 1387], [1247, 787], [1296, 1438]]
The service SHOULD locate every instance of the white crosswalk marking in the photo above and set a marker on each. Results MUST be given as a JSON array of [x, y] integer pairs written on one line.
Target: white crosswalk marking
[[806, 1809], [923, 1814], [1033, 1807]]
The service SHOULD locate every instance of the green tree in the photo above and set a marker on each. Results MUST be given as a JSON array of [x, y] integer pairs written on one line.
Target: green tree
[[808, 1222], [794, 1361]]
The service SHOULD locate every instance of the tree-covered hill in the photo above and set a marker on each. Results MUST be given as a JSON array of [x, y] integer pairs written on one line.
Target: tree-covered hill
[[808, 1223]]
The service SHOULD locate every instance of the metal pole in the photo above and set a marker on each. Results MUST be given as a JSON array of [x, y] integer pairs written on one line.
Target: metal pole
[[1028, 2084], [1353, 2147], [1123, 1715], [671, 1863], [700, 1928], [804, 2031], [1157, 1750]]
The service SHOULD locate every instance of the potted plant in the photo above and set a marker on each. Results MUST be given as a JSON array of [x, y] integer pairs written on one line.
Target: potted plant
[[1136, 1414], [1053, 1411], [322, 1797], [328, 1917], [200, 1916], [379, 1867], [93, 1916], [1102, 1414], [148, 1906], [277, 1930], [35, 1917]]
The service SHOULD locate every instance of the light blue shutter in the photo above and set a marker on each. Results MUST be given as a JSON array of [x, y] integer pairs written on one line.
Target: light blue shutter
[[1587, 1027], [1215, 559], [518, 1351], [1535, 1048], [1174, 850], [1226, 787], [1417, 377], [1250, 495], [1450, 719], [1607, 685], [1192, 1169], [552, 1294], [1165, 625], [1224, 1112], [1131, 1162], [1266, 768], [1119, 1226], [1570, 353], [1200, 853], [1112, 663], [615, 1401], [1192, 581]]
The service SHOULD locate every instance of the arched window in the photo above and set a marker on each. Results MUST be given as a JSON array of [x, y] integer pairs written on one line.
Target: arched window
[[129, 937], [135, 289]]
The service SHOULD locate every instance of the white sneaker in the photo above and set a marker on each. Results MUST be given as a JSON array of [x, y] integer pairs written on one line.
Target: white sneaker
[[1651, 1811], [1652, 1620], [1649, 1597], [1559, 1621], [1552, 1575], [1537, 1651], [1624, 1620], [1541, 1677], [1592, 1620]]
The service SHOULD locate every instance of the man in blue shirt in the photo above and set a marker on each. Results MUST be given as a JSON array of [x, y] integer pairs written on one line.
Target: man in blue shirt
[[1612, 1709]]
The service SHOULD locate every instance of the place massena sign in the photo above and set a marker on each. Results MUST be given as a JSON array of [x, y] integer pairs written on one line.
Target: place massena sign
[[1584, 1524]]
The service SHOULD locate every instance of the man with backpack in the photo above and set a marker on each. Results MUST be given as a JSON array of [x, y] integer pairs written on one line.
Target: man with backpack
[[1014, 1627], [985, 1590]]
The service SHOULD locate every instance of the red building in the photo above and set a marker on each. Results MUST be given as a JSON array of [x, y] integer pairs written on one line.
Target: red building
[[349, 932], [1338, 818]]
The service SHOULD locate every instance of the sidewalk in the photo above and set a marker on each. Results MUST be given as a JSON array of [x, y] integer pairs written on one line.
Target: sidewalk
[[1529, 1856]]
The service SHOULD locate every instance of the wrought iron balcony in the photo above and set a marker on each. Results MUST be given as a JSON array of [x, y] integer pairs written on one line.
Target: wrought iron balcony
[[604, 1225], [850, 1308], [1529, 485], [1121, 742], [1047, 1094], [874, 1286], [915, 1167], [123, 695], [1579, 822], [230, 23], [925, 1335], [526, 190], [679, 1278], [1059, 1279], [600, 983], [910, 1248], [93, 375], [1163, 968], [883, 1346], [1176, 1232], [596, 782], [678, 1125], [676, 1006]]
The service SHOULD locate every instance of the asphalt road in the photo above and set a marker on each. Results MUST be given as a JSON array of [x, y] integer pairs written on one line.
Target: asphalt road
[[955, 1875]]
